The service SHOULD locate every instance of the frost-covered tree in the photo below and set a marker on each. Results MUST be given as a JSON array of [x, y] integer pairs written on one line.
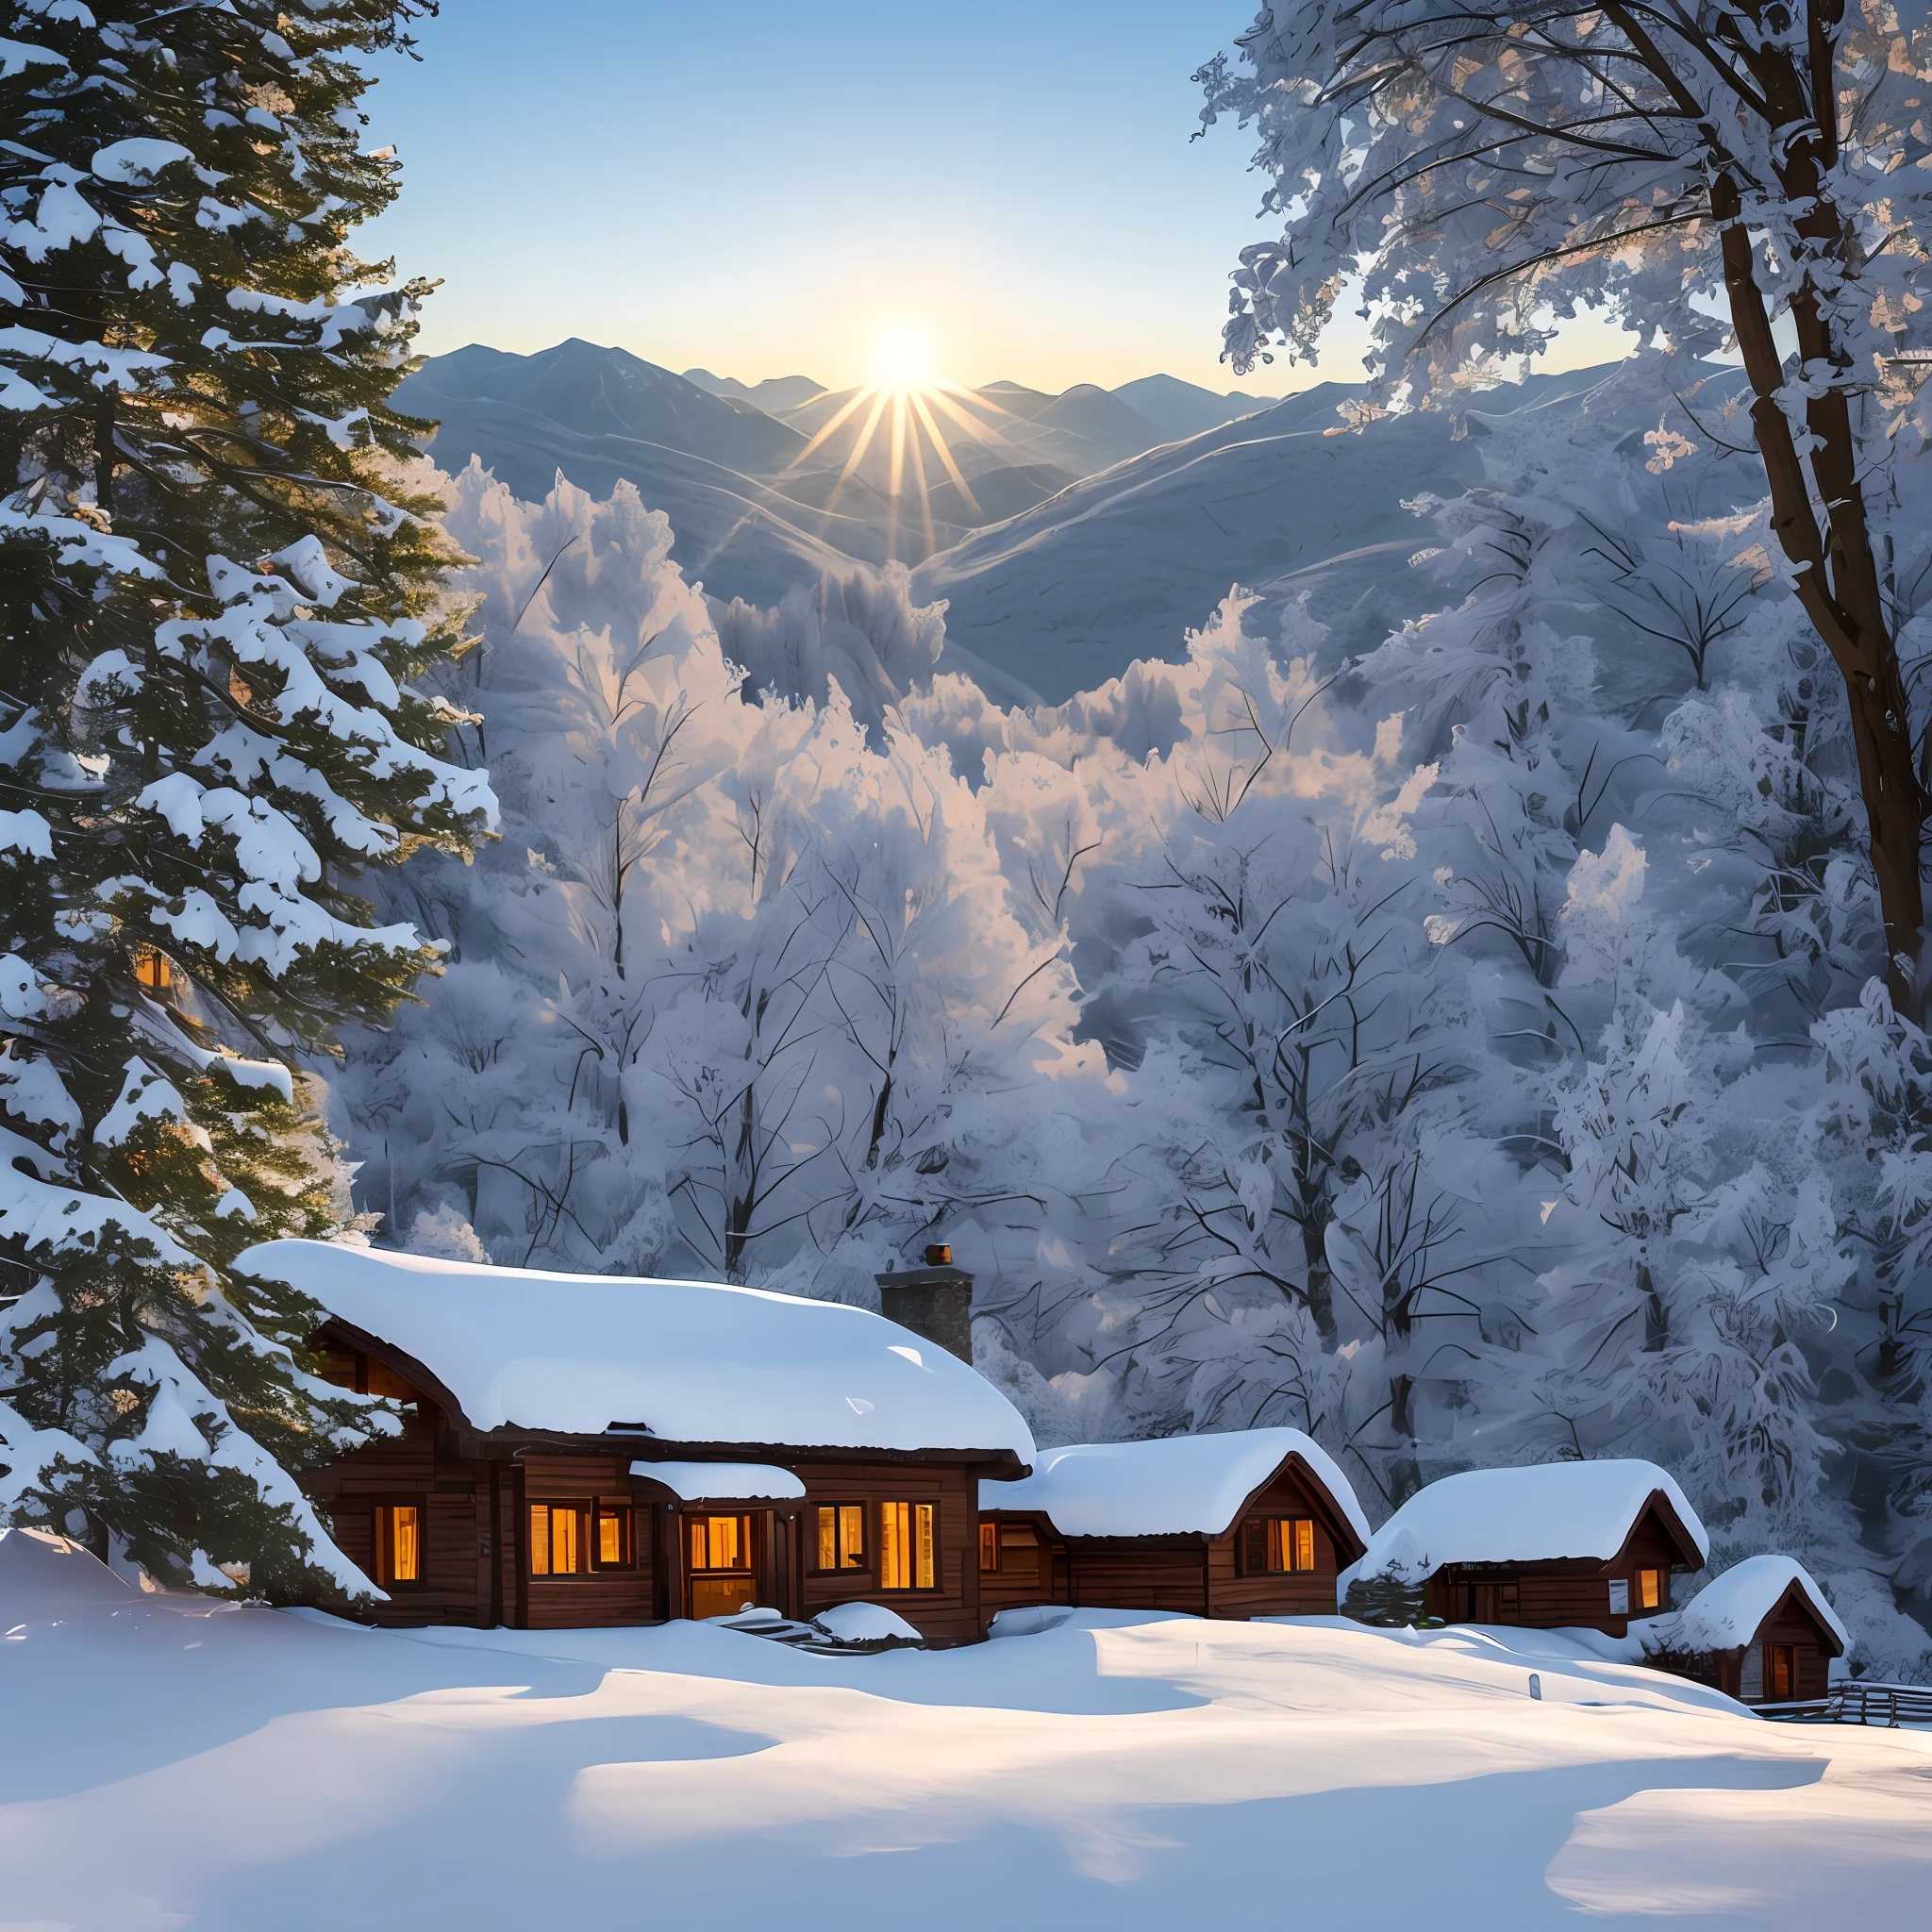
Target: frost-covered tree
[[743, 991], [214, 610], [1488, 174]]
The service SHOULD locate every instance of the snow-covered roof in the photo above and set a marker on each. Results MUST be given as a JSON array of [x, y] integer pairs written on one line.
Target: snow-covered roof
[[722, 1482], [1547, 1512], [692, 1361], [1174, 1486], [1726, 1614]]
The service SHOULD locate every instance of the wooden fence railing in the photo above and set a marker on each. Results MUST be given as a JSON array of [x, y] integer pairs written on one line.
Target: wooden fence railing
[[1854, 1702]]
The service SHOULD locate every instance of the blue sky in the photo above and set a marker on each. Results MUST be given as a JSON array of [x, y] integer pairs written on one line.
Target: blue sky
[[768, 189]]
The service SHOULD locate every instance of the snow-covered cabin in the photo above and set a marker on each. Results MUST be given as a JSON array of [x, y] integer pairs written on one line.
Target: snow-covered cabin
[[590, 1449], [1250, 1522], [1763, 1632], [1553, 1545]]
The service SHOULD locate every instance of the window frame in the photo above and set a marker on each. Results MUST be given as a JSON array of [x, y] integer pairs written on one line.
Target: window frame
[[592, 1510], [625, 1513], [864, 1566], [1270, 1526], [914, 1506], [1653, 1591], [755, 1570], [379, 1505]]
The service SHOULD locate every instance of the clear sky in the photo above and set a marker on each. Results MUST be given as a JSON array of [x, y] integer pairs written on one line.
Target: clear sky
[[768, 189]]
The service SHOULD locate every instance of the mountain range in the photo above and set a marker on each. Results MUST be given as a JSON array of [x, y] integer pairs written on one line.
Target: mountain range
[[1069, 534]]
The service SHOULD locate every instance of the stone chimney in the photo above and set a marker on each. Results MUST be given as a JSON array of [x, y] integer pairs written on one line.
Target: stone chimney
[[934, 1301]]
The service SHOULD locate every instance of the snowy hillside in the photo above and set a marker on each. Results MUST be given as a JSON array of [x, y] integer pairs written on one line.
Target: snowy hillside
[[1123, 563], [175, 1761]]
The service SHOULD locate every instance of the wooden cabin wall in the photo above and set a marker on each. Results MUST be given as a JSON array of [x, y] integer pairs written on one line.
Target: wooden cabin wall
[[948, 1614], [420, 1466], [1535, 1597], [1012, 1585], [1555, 1596], [475, 1560], [1792, 1624], [1137, 1574], [603, 1596], [1278, 1593]]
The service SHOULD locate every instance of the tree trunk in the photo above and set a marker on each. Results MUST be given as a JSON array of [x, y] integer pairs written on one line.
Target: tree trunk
[[1837, 571]]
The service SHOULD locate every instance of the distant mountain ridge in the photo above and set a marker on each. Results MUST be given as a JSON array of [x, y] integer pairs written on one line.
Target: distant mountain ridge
[[1083, 533], [1183, 408], [597, 392], [773, 394]]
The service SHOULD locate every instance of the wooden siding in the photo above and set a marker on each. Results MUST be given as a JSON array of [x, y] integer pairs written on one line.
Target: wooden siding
[[1123, 1572], [603, 1596], [1275, 1593], [1574, 1592], [1014, 1585], [1790, 1621], [947, 1614], [1200, 1576], [476, 1558], [452, 1495]]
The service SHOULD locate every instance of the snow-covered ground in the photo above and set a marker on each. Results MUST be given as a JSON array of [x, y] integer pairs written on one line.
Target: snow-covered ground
[[167, 1761]]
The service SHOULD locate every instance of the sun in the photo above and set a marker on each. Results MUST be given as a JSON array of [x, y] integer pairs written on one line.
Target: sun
[[906, 405], [901, 358]]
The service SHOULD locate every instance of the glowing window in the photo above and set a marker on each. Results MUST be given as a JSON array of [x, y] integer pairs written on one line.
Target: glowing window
[[559, 1540], [988, 1546], [1650, 1590], [398, 1544], [720, 1580], [1780, 1672], [721, 1543], [905, 1545], [613, 1536], [841, 1536], [152, 969], [1272, 1543]]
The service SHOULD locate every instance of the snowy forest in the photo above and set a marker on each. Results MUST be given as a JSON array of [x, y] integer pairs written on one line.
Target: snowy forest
[[1497, 1041]]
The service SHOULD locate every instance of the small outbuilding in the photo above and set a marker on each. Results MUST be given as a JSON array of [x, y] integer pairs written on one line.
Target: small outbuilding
[[1762, 1633], [1249, 1523], [596, 1450], [1553, 1545]]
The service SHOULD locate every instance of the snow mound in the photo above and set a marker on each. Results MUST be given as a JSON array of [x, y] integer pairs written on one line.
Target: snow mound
[[1547, 1512], [1726, 1614], [687, 1362], [41, 1571], [1174, 1486], [863, 1622], [1028, 1620], [735, 1482]]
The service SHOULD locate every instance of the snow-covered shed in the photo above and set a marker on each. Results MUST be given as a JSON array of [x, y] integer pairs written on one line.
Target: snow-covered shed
[[1763, 1632], [1246, 1522], [595, 1449], [1552, 1545]]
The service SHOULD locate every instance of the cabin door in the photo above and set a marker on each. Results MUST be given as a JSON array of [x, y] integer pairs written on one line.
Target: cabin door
[[722, 1568]]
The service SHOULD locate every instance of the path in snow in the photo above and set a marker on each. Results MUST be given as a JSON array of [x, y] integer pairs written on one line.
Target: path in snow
[[168, 1762]]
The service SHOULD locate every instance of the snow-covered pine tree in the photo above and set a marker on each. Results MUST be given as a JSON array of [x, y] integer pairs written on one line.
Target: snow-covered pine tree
[[213, 615]]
